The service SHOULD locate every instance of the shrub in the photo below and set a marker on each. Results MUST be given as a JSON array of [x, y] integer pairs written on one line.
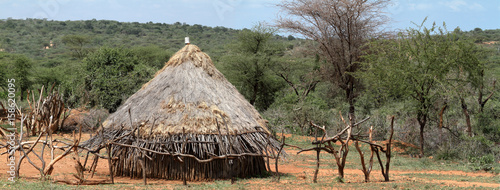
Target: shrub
[[482, 162], [447, 153]]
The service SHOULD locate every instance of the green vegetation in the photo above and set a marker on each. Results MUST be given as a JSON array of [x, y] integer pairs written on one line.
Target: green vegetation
[[421, 65], [100, 63], [113, 75], [249, 65]]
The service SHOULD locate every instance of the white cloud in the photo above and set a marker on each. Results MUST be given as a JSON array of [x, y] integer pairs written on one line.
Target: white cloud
[[420, 6], [455, 5], [461, 5], [476, 7]]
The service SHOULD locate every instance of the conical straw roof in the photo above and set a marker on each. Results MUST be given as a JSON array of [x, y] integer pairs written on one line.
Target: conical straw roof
[[188, 94]]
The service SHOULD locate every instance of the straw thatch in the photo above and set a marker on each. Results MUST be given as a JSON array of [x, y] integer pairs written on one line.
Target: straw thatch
[[188, 108]]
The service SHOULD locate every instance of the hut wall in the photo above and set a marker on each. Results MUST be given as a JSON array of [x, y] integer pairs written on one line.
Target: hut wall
[[168, 167]]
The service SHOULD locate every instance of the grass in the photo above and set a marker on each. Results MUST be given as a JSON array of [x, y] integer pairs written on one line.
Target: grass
[[28, 185], [413, 181], [480, 179]]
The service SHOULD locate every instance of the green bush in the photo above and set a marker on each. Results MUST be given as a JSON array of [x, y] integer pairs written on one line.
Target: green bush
[[488, 122], [294, 117], [482, 162], [447, 154], [113, 74]]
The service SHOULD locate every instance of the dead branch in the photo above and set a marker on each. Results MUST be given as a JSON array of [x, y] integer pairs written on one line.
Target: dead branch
[[50, 168], [74, 147], [42, 110], [366, 170], [337, 136], [316, 149], [325, 144]]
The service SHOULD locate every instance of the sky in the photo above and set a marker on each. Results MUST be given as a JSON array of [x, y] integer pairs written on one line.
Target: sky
[[238, 14]]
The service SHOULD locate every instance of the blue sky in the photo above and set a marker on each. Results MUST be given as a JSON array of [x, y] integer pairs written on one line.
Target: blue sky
[[466, 14]]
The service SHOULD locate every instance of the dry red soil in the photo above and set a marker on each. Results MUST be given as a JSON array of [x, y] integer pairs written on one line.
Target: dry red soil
[[302, 169]]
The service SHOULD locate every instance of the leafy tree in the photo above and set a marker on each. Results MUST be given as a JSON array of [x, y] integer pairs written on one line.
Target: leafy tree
[[113, 74], [301, 72], [153, 56], [416, 65], [249, 66], [47, 76], [77, 43]]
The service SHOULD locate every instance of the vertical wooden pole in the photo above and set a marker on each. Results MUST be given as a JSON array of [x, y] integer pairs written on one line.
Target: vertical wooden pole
[[86, 158], [144, 169], [183, 165], [266, 149], [277, 156], [110, 163], [315, 179], [388, 151], [184, 181], [231, 165]]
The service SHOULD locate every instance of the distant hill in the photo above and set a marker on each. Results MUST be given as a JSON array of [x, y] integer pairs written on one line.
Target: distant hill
[[33, 37], [480, 36]]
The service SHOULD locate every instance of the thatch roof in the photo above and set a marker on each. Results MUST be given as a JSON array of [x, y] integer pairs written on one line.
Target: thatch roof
[[190, 93], [189, 107]]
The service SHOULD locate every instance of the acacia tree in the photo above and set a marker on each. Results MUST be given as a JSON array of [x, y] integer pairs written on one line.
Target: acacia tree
[[417, 65], [467, 76], [77, 43], [249, 66], [341, 28]]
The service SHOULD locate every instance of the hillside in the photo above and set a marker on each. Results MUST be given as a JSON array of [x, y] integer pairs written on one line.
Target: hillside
[[32, 36]]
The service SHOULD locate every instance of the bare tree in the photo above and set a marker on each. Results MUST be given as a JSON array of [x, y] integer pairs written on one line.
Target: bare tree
[[341, 28]]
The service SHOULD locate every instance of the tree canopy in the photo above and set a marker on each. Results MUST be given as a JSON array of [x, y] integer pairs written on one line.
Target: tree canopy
[[341, 29]]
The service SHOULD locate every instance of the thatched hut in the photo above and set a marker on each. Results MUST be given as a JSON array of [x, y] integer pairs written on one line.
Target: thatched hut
[[188, 108]]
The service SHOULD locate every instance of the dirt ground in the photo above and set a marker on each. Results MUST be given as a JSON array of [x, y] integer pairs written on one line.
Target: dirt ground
[[299, 171]]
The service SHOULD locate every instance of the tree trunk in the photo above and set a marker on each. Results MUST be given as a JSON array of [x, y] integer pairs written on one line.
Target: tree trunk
[[341, 172], [254, 93], [467, 116], [422, 120], [480, 98], [440, 127], [350, 98], [315, 178], [22, 94], [422, 140]]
